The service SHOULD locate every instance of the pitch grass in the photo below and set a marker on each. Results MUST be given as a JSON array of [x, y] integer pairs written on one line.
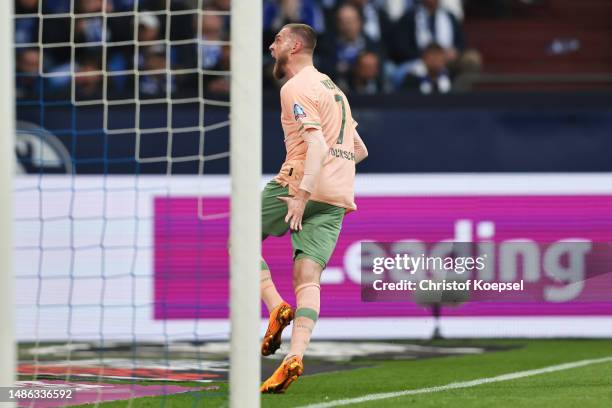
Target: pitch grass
[[584, 387]]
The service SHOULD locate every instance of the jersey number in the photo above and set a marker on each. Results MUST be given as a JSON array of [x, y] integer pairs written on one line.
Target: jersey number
[[338, 98]]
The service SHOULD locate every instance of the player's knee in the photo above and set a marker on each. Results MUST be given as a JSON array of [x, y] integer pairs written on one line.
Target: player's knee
[[306, 271], [304, 279]]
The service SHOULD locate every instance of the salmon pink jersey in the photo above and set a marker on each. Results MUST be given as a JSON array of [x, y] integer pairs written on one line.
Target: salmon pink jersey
[[310, 100]]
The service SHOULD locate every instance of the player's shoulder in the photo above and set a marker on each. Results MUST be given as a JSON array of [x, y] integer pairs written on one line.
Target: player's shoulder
[[287, 88], [299, 87], [290, 86], [319, 81]]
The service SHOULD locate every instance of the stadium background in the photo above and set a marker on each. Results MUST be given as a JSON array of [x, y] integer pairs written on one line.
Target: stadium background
[[542, 109], [541, 80]]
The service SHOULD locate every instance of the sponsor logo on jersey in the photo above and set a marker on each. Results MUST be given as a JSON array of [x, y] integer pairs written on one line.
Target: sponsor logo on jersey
[[298, 112]]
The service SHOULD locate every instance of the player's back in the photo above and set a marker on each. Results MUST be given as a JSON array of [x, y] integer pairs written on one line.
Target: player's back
[[333, 107], [311, 100]]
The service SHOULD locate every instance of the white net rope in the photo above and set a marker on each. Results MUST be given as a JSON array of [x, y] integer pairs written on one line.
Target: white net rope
[[85, 245]]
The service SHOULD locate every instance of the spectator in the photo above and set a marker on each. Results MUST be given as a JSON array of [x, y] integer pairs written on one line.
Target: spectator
[[427, 22], [55, 30], [26, 28], [152, 85], [148, 27], [221, 6], [366, 78], [181, 24], [277, 13], [430, 74], [28, 83], [212, 33], [219, 84], [88, 78], [375, 19], [340, 51], [91, 29], [351, 51], [455, 7], [121, 58], [396, 8]]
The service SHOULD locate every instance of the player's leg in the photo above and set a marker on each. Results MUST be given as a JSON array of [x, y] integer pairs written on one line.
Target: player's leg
[[269, 294], [273, 223], [307, 278], [273, 213], [281, 313], [313, 246]]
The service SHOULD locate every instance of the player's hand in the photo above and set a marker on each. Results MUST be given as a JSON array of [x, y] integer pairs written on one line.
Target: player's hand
[[295, 211]]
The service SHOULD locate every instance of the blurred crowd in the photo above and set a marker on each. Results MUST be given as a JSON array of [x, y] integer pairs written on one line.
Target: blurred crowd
[[170, 49]]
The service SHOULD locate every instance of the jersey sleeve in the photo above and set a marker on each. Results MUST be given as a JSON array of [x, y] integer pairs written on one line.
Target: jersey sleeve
[[303, 107]]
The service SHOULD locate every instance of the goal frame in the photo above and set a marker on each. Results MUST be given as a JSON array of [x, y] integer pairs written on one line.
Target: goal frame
[[245, 215], [245, 228], [7, 158]]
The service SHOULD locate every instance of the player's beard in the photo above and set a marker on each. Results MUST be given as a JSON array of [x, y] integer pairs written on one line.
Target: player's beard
[[279, 67]]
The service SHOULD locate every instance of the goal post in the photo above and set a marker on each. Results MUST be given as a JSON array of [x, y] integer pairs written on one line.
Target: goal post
[[7, 134], [87, 249], [245, 228]]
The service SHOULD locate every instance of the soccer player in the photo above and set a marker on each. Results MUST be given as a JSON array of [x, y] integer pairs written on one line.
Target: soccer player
[[310, 194]]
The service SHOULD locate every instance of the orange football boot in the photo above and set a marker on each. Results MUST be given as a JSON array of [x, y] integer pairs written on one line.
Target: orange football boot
[[280, 317], [284, 375]]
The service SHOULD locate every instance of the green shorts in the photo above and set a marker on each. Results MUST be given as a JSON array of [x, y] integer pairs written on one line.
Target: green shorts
[[321, 224]]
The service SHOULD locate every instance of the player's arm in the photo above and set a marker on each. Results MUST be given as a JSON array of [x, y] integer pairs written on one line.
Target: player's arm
[[361, 151], [315, 156]]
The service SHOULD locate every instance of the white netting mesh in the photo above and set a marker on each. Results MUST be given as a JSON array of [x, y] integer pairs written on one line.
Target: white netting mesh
[[122, 97]]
